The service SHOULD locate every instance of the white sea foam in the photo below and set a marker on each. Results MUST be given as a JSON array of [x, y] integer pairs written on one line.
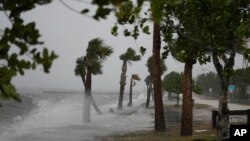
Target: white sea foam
[[50, 117]]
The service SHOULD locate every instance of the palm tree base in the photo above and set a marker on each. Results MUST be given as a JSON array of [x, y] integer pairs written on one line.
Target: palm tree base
[[86, 120], [129, 104]]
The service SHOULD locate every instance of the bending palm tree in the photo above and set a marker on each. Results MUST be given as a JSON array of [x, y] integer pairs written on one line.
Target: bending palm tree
[[129, 56], [88, 65], [132, 83]]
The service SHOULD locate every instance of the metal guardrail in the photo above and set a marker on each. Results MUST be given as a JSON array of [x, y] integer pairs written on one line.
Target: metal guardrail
[[215, 116]]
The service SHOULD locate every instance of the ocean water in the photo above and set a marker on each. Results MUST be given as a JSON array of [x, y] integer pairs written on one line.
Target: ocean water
[[58, 116]]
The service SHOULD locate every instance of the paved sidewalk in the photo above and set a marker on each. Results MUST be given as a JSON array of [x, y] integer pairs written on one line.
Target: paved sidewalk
[[214, 103]]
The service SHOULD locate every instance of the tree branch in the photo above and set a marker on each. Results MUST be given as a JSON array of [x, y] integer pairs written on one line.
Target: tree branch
[[197, 41], [85, 2], [235, 45], [72, 9], [217, 64], [7, 16], [224, 58]]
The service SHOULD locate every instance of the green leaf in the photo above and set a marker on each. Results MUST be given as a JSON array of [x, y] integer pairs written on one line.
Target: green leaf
[[135, 33], [23, 47], [33, 51], [114, 30], [33, 66], [45, 53], [9, 91], [165, 54], [126, 32], [53, 55], [142, 22], [102, 12], [132, 19], [142, 50], [84, 11], [146, 30], [140, 2], [21, 71]]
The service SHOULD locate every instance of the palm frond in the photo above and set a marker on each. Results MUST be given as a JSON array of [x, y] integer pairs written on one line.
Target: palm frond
[[137, 58], [97, 50], [130, 55], [93, 48], [96, 53], [80, 68], [147, 80], [136, 77], [104, 52], [149, 65], [96, 67]]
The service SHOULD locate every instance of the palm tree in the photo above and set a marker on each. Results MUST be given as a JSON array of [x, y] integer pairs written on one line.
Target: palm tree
[[132, 83], [149, 81], [88, 65], [127, 57]]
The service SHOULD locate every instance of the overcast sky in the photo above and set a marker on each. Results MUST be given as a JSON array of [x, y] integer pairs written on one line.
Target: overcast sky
[[68, 33]]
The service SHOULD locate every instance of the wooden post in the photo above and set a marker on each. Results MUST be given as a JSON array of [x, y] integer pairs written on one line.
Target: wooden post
[[214, 118], [248, 116]]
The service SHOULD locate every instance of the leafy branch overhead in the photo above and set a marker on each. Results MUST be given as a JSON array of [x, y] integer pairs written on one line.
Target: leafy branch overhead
[[18, 46], [132, 16]]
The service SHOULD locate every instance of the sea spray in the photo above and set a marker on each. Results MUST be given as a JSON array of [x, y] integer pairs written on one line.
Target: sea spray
[[66, 116], [86, 109]]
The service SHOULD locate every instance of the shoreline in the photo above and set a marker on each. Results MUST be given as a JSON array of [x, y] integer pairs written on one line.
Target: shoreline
[[202, 123], [60, 119], [12, 111], [173, 122]]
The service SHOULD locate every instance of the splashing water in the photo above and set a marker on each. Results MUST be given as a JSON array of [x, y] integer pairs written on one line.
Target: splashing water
[[65, 117]]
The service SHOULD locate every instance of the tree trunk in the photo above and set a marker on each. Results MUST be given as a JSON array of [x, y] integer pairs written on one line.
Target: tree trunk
[[169, 95], [152, 92], [86, 108], [223, 110], [159, 111], [177, 100], [130, 92], [243, 91], [149, 92], [98, 111], [222, 128], [122, 84], [87, 95], [187, 109]]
